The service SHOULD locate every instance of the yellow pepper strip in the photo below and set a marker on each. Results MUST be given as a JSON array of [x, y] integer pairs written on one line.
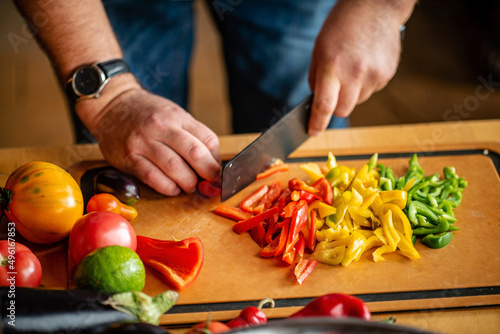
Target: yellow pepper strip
[[390, 234], [325, 210], [331, 257], [355, 248], [406, 247], [373, 241], [331, 234], [397, 197], [331, 161], [399, 218], [360, 216], [379, 232], [410, 184], [313, 171]]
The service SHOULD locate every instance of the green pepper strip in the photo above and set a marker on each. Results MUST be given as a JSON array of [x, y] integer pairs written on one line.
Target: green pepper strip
[[422, 209], [439, 240], [442, 226]]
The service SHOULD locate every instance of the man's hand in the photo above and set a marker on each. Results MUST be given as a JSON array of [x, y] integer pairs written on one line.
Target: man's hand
[[356, 54], [157, 141]]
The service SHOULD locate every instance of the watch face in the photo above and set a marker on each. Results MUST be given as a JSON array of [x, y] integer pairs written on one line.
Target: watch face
[[87, 81]]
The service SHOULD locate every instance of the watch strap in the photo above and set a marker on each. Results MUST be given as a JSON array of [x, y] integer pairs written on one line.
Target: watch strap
[[110, 69]]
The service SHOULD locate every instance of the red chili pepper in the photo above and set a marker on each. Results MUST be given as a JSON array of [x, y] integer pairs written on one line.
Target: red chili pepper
[[246, 225], [273, 169], [251, 315], [248, 203], [209, 188], [105, 202], [335, 305], [304, 268], [325, 190], [230, 212]]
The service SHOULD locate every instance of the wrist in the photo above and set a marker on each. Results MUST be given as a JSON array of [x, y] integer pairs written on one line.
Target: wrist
[[90, 111]]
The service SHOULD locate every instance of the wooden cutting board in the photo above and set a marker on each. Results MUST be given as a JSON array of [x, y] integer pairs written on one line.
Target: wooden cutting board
[[465, 273]]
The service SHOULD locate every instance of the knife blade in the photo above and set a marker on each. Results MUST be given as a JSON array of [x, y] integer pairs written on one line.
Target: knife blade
[[277, 142]]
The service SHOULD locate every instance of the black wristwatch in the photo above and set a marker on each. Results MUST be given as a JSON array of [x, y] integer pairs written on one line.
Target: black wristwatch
[[88, 81]]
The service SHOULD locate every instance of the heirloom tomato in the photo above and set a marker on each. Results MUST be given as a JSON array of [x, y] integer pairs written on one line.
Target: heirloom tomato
[[43, 200], [100, 229], [18, 265]]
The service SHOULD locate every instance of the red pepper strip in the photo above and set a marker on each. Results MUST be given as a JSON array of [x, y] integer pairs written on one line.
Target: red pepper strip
[[325, 190], [273, 169], [271, 228], [300, 245], [230, 212], [298, 184], [270, 248], [283, 236], [246, 225], [335, 305], [311, 242], [284, 198], [308, 197], [304, 268], [299, 219], [258, 234], [289, 209], [179, 261], [248, 203], [268, 199], [209, 188]]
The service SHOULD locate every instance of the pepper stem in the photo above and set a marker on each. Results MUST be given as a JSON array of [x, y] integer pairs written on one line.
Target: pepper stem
[[143, 307], [264, 302]]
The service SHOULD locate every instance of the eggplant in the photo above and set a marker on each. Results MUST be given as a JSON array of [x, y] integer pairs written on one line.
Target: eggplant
[[29, 310], [37, 311], [121, 185]]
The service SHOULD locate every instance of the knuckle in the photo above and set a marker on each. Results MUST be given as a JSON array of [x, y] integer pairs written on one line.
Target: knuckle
[[174, 163], [211, 141]]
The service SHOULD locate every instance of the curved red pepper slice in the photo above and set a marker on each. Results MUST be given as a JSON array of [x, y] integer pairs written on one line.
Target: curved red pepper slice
[[304, 268], [311, 242], [273, 169], [230, 212], [325, 190], [246, 225], [248, 203], [299, 219], [298, 184]]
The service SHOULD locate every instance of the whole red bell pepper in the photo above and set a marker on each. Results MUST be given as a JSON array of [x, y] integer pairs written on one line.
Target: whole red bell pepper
[[335, 305]]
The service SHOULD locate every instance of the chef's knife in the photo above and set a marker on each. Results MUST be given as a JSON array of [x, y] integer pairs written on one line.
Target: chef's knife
[[277, 142]]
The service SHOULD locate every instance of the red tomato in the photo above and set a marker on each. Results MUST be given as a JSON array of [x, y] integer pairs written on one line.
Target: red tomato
[[212, 327], [100, 229], [17, 258]]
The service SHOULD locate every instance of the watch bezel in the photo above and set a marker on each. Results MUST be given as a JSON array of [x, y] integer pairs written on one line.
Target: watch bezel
[[103, 80]]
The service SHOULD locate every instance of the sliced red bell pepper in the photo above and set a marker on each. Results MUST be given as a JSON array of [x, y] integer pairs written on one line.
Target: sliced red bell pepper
[[270, 248], [179, 261], [298, 184], [273, 169], [248, 203], [289, 209], [311, 242], [308, 197], [258, 234], [325, 190], [283, 237], [304, 268], [233, 213], [299, 219], [209, 188], [268, 199], [284, 198], [271, 228], [300, 245], [246, 225]]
